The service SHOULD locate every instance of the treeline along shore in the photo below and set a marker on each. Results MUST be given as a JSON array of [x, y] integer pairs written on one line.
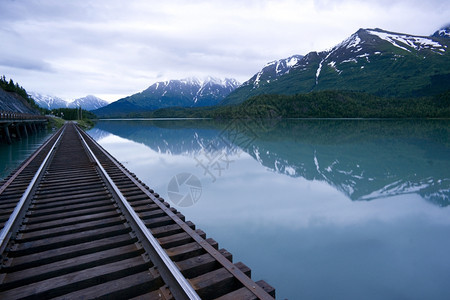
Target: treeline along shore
[[323, 104]]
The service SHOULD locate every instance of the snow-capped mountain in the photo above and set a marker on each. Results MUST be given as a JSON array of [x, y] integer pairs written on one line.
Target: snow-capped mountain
[[213, 90], [47, 101], [89, 102], [189, 92], [52, 102], [269, 73], [370, 60], [272, 70], [443, 32], [365, 44]]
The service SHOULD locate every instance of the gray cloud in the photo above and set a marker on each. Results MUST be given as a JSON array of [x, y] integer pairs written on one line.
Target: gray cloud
[[26, 64], [120, 47]]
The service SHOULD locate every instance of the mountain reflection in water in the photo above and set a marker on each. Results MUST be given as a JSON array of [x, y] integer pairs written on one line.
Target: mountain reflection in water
[[365, 159]]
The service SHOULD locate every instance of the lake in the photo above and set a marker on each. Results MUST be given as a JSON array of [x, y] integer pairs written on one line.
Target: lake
[[11, 156], [320, 209]]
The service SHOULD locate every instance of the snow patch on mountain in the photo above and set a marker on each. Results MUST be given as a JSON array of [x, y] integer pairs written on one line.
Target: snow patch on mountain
[[186, 92], [333, 65], [89, 102], [402, 41], [444, 32], [272, 70], [48, 101], [215, 87], [292, 61], [354, 41], [319, 69], [258, 77]]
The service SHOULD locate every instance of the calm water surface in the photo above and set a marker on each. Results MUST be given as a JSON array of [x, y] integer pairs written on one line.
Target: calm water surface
[[11, 156], [320, 209]]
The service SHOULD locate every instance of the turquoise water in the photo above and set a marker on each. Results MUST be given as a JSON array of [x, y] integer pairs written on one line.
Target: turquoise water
[[320, 209], [11, 156]]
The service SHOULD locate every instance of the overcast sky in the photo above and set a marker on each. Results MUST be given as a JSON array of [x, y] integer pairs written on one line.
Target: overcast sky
[[115, 48]]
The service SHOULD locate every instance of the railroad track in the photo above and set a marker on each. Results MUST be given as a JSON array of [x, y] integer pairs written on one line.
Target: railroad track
[[77, 224]]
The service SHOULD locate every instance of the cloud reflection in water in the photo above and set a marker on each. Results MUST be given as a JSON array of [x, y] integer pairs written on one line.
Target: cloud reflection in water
[[291, 204]]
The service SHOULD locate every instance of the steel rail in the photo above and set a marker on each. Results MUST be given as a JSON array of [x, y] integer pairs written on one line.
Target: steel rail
[[164, 263], [12, 219], [258, 291]]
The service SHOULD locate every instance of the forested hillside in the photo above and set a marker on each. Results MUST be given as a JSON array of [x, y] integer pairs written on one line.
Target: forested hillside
[[14, 98]]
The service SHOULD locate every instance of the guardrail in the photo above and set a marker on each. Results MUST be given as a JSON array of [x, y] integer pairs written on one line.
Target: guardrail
[[7, 115]]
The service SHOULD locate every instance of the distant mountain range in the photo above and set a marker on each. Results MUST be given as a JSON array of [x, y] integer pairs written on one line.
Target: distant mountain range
[[190, 92], [89, 102], [373, 61], [47, 101]]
